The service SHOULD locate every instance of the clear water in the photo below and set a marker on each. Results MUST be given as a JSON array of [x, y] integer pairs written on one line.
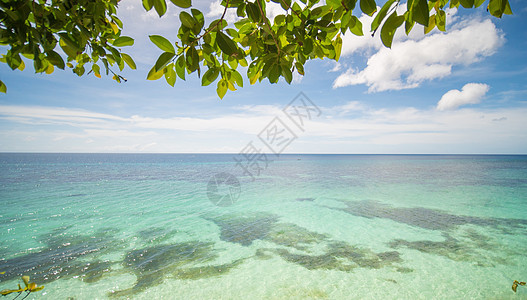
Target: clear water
[[97, 226]]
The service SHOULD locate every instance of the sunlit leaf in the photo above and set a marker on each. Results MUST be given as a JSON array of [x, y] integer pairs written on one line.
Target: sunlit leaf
[[237, 78], [25, 279], [170, 75], [338, 47], [3, 89], [356, 29], [221, 88], [123, 41], [431, 25], [148, 4], [162, 43], [154, 75], [129, 61]]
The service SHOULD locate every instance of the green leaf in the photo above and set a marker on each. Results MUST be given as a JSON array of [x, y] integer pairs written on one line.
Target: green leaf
[[477, 3], [420, 12], [225, 43], [69, 41], [154, 75], [390, 26], [299, 68], [13, 60], [192, 59], [198, 16], [338, 47], [274, 73], [123, 41], [163, 60], [3, 87], [408, 25], [356, 29], [381, 15], [499, 7], [253, 12], [181, 66], [170, 75], [187, 20], [128, 60], [467, 3], [288, 75], [349, 5], [182, 3], [237, 78], [209, 76], [160, 6], [54, 58], [368, 7], [162, 43], [441, 20], [221, 88], [148, 4], [431, 25], [308, 46]]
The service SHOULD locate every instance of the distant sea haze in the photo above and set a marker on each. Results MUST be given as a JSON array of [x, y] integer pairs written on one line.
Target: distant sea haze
[[294, 226]]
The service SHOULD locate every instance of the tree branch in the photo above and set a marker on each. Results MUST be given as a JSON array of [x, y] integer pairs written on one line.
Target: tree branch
[[265, 20]]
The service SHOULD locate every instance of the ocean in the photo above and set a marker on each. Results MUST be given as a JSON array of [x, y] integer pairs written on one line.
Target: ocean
[[222, 226]]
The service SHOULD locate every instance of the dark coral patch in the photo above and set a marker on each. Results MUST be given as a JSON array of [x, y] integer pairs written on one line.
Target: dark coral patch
[[244, 230]]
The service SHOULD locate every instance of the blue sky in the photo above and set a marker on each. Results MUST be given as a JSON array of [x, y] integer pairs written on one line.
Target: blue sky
[[463, 91]]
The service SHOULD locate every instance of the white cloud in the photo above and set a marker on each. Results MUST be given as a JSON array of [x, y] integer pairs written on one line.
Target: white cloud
[[471, 93], [352, 127], [216, 10], [410, 62]]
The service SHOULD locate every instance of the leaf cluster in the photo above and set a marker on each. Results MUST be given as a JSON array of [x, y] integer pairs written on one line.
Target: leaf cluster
[[82, 35], [89, 32]]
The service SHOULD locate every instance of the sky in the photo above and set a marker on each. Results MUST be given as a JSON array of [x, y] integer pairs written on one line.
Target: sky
[[463, 91]]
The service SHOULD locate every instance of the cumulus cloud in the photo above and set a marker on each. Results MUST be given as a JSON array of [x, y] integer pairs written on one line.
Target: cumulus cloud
[[216, 10], [412, 61], [471, 93]]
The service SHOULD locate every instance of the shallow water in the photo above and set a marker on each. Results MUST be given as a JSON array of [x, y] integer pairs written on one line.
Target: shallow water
[[96, 226]]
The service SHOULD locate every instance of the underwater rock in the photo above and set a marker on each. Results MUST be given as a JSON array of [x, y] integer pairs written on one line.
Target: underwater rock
[[205, 271], [291, 235], [305, 199], [343, 257], [152, 265], [425, 217], [155, 235], [58, 259], [244, 230], [474, 247]]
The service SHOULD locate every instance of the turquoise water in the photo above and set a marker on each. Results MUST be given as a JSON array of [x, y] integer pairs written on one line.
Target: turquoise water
[[97, 226]]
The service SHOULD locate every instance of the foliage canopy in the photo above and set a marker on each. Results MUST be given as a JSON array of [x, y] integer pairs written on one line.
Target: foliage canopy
[[88, 35]]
